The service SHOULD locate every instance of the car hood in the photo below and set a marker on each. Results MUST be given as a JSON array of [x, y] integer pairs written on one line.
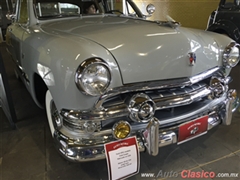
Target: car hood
[[145, 50]]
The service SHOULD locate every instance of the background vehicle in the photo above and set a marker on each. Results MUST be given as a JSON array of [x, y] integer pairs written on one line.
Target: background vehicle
[[5, 7], [226, 19]]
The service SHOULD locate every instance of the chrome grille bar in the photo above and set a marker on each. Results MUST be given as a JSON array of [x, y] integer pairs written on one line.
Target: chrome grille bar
[[163, 100], [155, 85]]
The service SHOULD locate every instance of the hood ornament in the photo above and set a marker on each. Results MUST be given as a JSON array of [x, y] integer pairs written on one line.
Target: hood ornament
[[192, 59]]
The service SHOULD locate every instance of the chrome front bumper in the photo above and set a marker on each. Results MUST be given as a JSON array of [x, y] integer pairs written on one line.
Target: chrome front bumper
[[72, 151]]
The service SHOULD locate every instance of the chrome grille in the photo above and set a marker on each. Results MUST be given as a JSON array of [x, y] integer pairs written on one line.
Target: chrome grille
[[176, 100], [164, 98]]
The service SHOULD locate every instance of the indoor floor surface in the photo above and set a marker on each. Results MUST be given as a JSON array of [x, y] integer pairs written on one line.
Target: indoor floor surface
[[28, 153]]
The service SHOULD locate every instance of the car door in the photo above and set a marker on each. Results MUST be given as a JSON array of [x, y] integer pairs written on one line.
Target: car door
[[16, 30]]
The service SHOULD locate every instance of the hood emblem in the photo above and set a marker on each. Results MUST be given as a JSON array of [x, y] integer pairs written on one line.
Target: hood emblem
[[192, 59]]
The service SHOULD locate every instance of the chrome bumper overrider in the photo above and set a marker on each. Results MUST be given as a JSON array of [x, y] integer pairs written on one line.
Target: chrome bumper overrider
[[71, 149]]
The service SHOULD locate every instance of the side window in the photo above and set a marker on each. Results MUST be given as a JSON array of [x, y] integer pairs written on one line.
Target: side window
[[69, 9], [55, 9], [23, 12], [47, 9]]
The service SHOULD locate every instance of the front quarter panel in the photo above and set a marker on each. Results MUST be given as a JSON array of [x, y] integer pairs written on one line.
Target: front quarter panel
[[56, 58]]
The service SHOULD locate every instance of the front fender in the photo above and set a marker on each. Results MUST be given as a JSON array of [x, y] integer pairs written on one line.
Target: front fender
[[56, 58]]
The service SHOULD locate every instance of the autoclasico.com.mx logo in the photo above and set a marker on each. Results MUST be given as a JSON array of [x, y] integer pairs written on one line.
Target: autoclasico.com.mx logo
[[189, 174]]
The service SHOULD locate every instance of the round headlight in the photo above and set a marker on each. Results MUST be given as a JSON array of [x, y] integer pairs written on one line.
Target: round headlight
[[93, 77], [231, 55]]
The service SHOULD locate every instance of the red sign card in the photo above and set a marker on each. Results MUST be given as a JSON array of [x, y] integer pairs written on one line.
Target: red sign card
[[122, 158], [192, 129]]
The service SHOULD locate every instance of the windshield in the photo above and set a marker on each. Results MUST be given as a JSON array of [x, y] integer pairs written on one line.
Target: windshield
[[62, 8]]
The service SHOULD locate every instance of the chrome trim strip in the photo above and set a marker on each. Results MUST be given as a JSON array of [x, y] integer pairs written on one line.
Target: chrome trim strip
[[175, 101], [208, 107], [146, 86], [203, 75]]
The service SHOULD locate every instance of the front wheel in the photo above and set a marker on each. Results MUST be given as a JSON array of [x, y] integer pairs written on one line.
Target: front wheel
[[53, 116]]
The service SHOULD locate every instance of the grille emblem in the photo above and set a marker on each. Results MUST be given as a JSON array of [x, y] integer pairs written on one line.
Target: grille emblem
[[192, 59]]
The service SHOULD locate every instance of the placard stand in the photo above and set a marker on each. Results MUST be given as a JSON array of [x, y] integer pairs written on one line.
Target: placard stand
[[5, 96]]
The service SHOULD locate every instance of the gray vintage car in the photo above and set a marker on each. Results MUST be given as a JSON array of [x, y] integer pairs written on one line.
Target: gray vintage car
[[113, 74]]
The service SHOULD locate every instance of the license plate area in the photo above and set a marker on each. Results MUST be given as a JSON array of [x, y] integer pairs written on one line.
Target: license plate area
[[192, 129]]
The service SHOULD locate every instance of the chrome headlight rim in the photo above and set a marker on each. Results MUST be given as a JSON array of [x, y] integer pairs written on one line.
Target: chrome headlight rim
[[226, 54], [82, 69]]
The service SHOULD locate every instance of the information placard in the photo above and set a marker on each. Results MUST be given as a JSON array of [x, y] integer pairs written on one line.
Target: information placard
[[122, 158]]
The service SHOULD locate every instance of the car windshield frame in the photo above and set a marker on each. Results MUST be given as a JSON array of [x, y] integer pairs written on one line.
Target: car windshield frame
[[53, 8]]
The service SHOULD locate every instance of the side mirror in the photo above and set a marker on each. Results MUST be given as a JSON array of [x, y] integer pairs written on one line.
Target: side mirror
[[10, 16], [150, 9]]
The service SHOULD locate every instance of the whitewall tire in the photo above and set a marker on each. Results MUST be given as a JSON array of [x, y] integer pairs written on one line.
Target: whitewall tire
[[53, 117]]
